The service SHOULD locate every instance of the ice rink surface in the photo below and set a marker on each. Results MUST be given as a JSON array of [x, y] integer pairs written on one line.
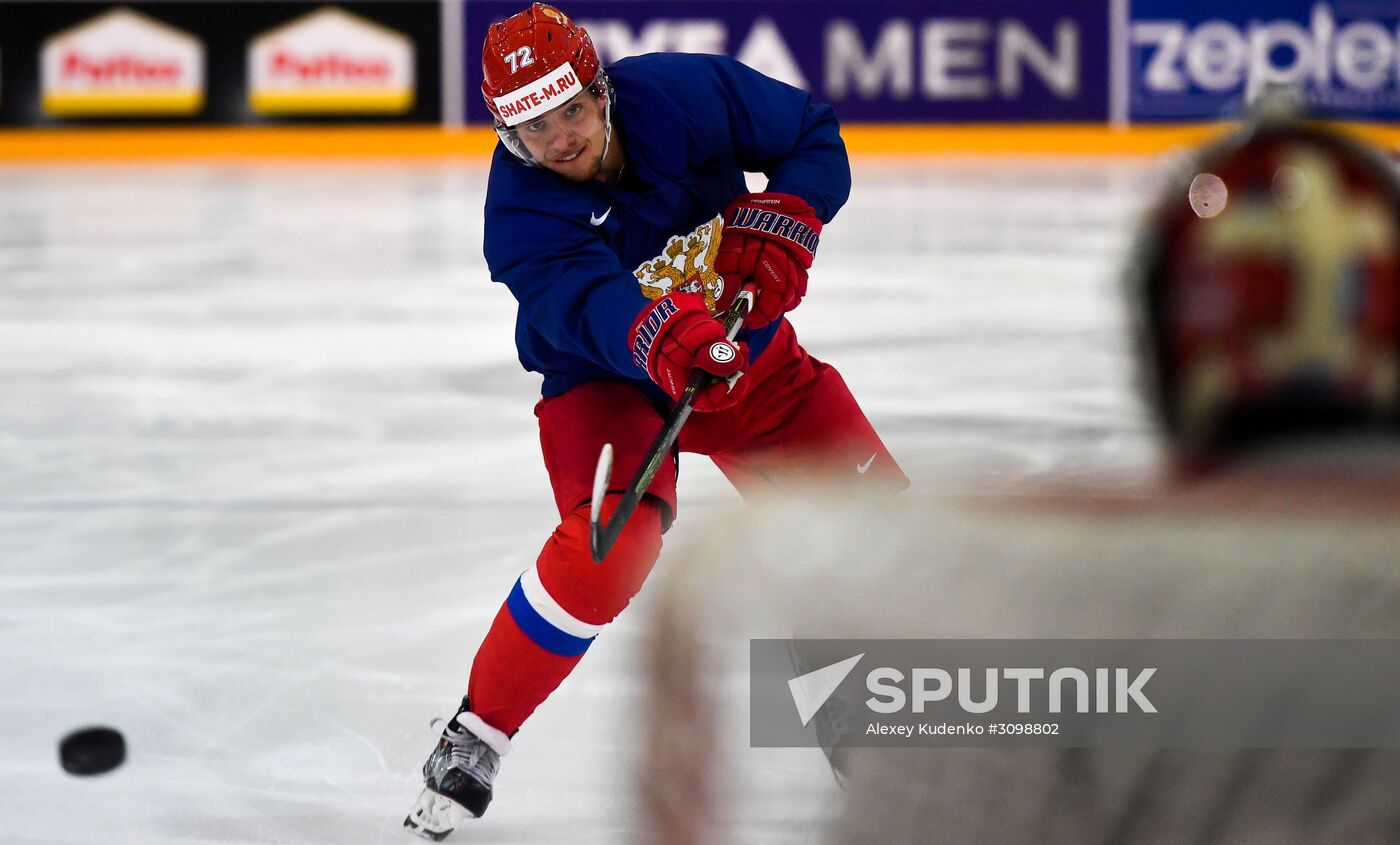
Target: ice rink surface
[[268, 467]]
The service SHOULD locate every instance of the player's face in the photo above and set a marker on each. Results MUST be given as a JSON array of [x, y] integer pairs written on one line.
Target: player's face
[[569, 140]]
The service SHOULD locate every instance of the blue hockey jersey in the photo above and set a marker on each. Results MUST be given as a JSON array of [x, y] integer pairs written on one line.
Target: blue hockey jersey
[[583, 259]]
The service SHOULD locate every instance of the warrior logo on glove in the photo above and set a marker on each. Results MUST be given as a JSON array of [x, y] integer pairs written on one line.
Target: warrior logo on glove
[[777, 225], [769, 242], [647, 328], [722, 352]]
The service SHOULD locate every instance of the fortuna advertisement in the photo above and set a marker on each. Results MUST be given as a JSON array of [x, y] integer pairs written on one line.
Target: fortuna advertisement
[[331, 62], [122, 63]]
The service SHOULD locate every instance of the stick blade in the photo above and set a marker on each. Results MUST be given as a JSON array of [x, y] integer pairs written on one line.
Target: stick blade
[[601, 477]]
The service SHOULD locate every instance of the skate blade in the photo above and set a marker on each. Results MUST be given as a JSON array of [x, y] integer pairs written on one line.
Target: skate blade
[[434, 816]]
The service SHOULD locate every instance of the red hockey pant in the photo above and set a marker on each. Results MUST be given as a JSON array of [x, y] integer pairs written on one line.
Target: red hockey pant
[[799, 422]]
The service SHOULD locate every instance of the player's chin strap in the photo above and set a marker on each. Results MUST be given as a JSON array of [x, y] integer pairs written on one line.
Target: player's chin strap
[[607, 116]]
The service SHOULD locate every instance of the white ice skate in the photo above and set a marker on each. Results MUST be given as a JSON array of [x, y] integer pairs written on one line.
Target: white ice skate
[[457, 776]]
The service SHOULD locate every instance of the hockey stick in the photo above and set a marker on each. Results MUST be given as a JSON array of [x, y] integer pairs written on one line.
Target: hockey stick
[[601, 536]]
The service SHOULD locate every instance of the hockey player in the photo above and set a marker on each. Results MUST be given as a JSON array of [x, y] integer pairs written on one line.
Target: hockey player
[[618, 217]]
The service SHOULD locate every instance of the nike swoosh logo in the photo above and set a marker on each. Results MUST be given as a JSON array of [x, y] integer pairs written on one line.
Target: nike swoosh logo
[[861, 468], [598, 221]]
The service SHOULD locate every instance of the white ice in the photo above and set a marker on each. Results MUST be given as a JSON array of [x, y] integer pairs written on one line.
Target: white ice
[[268, 467]]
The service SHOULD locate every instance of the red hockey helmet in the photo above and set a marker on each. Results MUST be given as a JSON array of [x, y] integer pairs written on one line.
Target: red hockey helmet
[[535, 61], [1269, 289]]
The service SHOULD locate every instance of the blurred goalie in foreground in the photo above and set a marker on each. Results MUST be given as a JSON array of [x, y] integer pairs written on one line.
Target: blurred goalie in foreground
[[618, 217], [1267, 290]]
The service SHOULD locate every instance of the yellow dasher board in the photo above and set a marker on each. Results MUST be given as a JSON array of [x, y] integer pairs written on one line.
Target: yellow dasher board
[[331, 62], [122, 63]]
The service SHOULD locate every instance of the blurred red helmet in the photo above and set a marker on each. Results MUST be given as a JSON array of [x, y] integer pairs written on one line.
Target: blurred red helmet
[[534, 61], [1268, 283]]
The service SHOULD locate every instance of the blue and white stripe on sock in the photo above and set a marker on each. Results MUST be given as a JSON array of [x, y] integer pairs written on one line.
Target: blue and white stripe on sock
[[544, 621]]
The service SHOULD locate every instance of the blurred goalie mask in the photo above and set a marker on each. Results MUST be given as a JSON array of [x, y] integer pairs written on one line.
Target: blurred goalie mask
[[534, 62], [1268, 289]]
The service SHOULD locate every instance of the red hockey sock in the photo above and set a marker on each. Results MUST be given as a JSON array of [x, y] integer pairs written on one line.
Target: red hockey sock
[[554, 612]]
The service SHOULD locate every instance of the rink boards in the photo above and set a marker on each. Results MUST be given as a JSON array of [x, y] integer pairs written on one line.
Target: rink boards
[[332, 142]]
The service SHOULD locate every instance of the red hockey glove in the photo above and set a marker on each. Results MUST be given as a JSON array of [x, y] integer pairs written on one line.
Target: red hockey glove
[[769, 240], [676, 334]]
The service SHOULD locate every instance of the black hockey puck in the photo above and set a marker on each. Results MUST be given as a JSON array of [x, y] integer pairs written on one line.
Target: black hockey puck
[[92, 751]]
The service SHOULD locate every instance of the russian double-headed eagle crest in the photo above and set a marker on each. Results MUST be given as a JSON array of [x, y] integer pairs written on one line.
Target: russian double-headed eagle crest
[[686, 264]]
